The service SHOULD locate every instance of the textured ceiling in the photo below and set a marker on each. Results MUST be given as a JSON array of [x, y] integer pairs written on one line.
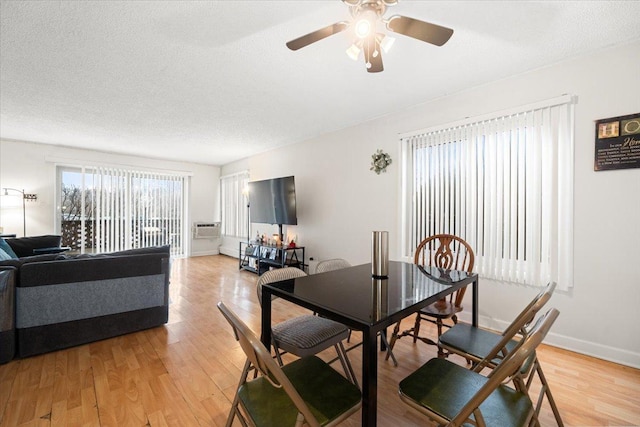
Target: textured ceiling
[[212, 81]]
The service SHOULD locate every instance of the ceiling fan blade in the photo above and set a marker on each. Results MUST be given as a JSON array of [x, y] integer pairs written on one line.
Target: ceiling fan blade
[[373, 56], [430, 33], [317, 35]]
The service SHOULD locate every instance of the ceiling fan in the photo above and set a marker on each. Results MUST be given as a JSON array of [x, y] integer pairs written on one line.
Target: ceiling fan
[[367, 15]]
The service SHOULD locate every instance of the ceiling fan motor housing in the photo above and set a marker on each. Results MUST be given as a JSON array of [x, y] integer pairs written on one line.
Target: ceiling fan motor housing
[[357, 8]]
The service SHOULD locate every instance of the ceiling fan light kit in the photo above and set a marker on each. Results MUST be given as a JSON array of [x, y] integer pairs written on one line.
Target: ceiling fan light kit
[[366, 17]]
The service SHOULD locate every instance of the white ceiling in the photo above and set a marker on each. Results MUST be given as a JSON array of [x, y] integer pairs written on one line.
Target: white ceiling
[[212, 81]]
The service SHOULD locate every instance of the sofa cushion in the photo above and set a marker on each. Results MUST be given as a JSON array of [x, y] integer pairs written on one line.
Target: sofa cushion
[[4, 246], [19, 262], [148, 250], [24, 246]]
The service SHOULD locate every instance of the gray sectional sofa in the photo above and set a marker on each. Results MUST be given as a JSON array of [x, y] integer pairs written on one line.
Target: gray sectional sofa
[[63, 300]]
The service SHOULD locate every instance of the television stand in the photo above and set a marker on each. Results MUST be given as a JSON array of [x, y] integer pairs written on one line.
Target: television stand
[[259, 258]]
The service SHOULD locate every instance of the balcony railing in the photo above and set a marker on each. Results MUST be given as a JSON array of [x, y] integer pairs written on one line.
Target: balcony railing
[[152, 233]]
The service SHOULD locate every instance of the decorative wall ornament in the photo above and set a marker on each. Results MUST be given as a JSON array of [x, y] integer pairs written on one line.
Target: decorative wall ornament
[[380, 161]]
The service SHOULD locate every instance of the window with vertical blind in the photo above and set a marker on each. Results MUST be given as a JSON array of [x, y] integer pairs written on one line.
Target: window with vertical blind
[[234, 200], [504, 183], [111, 209]]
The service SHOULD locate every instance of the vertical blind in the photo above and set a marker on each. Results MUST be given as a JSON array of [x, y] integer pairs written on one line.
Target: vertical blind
[[502, 183], [234, 200], [123, 209], [134, 209]]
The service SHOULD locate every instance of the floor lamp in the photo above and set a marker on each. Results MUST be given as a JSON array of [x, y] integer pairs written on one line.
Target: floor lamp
[[25, 197]]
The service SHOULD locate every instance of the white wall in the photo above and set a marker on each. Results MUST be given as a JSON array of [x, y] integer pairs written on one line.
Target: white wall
[[340, 201], [29, 166]]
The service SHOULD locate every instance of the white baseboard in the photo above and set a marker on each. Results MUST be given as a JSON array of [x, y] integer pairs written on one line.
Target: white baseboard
[[611, 354], [205, 253], [232, 252]]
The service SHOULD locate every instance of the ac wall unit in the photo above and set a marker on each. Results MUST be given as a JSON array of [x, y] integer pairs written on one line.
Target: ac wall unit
[[206, 230]]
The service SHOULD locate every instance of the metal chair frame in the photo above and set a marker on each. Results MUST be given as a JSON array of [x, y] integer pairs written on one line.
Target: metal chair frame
[[501, 348], [259, 359], [509, 369]]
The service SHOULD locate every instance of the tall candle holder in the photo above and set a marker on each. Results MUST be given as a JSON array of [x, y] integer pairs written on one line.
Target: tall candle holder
[[380, 254]]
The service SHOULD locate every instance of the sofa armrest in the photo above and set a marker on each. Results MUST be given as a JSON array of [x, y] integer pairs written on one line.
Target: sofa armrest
[[24, 246]]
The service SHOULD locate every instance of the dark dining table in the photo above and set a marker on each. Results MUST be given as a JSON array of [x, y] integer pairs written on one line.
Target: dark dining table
[[353, 297]]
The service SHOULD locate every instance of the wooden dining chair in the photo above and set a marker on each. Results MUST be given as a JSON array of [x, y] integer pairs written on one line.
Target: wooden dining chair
[[448, 252], [308, 334], [305, 392], [454, 396], [486, 348], [337, 264]]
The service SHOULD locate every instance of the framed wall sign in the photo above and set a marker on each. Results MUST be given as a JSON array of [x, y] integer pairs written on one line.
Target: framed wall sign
[[618, 143]]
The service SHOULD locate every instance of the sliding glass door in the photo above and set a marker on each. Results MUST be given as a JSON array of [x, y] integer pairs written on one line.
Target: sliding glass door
[[109, 209]]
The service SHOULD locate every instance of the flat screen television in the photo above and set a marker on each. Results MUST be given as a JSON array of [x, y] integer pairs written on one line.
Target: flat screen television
[[273, 201]]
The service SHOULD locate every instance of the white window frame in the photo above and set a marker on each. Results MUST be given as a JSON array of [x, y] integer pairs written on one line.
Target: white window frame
[[464, 176]]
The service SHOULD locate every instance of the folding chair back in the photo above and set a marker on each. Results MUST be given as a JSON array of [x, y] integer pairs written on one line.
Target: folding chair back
[[485, 348], [277, 275], [510, 367], [518, 326], [331, 265], [454, 396]]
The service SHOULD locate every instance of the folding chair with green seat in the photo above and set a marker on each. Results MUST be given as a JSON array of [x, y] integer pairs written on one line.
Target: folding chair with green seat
[[308, 334], [452, 395], [305, 392], [337, 264], [485, 348]]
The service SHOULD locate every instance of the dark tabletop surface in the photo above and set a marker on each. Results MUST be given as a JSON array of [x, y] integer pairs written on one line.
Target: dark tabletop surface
[[353, 293]]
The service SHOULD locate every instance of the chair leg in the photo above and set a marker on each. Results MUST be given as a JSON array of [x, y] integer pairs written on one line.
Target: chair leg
[[346, 364], [441, 353], [392, 343], [416, 329], [536, 368], [547, 392], [232, 412], [389, 351], [534, 421], [236, 400], [277, 350]]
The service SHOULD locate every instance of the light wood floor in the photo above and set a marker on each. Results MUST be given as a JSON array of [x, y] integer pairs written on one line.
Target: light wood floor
[[185, 373]]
